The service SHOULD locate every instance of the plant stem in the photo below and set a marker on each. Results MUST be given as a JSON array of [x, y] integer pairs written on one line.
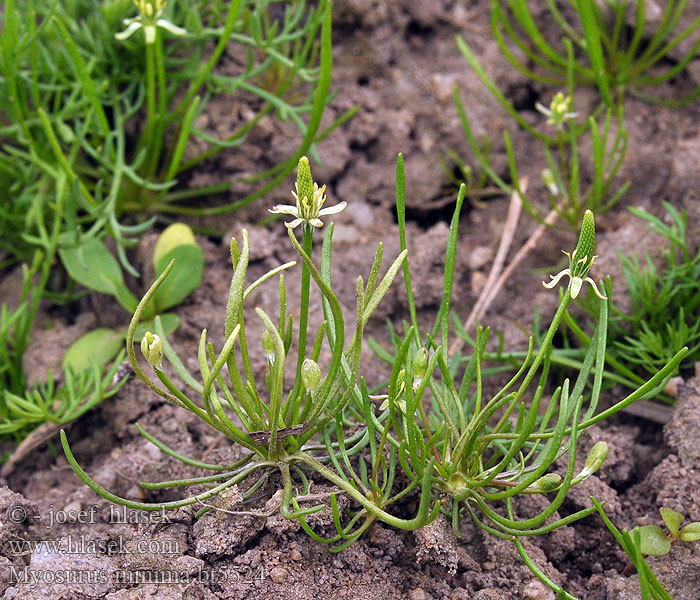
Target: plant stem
[[307, 244]]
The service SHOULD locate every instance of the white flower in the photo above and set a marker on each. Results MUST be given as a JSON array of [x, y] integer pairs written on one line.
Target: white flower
[[148, 19], [577, 272], [558, 111], [401, 404], [308, 210]]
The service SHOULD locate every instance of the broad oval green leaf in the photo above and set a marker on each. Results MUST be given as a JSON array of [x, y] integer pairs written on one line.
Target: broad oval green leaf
[[97, 347], [672, 519], [93, 266], [183, 279], [653, 540], [691, 532], [177, 234]]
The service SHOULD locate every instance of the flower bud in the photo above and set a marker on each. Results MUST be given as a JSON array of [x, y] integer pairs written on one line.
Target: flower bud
[[152, 349], [550, 181], [546, 483], [419, 366], [310, 374], [596, 457], [594, 460], [268, 345]]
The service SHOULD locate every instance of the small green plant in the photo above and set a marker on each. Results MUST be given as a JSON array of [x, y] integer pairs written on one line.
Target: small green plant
[[665, 301], [485, 452], [113, 112], [289, 432], [59, 404], [618, 59], [92, 265], [631, 542], [435, 435], [568, 198], [654, 541]]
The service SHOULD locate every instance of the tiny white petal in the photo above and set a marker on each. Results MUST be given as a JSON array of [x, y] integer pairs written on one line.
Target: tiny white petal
[[315, 222], [556, 278], [174, 29], [543, 109], [294, 223], [134, 26], [332, 210], [286, 209], [595, 289], [575, 286]]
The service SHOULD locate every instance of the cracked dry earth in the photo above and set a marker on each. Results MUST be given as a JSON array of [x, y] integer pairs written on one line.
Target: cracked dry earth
[[398, 61]]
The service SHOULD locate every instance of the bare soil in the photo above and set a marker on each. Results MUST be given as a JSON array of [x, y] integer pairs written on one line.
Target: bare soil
[[398, 61]]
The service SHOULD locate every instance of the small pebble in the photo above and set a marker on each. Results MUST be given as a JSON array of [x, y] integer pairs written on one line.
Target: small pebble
[[72, 509], [278, 574], [536, 590], [295, 555], [477, 281], [170, 425], [480, 256], [488, 566], [152, 451], [417, 594]]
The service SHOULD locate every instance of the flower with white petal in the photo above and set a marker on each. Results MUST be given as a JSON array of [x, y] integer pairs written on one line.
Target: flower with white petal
[[308, 210], [150, 12], [577, 271], [579, 267], [558, 112]]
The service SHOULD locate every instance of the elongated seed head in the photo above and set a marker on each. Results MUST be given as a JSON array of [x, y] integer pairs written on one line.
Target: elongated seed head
[[305, 184], [586, 241]]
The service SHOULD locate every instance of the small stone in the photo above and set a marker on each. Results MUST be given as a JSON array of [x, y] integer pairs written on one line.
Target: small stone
[[488, 566], [536, 590], [672, 386], [479, 256], [170, 425], [72, 509], [477, 281], [107, 477], [417, 594], [137, 492], [295, 555], [441, 85], [278, 574], [152, 451]]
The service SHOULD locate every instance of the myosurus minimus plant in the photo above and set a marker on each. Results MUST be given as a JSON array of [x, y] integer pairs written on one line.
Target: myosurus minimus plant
[[431, 436]]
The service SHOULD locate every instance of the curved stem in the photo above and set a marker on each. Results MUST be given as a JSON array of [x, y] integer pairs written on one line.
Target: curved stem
[[424, 515]]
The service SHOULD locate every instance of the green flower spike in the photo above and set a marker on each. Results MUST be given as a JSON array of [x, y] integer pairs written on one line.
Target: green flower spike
[[148, 19], [309, 200], [579, 267]]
